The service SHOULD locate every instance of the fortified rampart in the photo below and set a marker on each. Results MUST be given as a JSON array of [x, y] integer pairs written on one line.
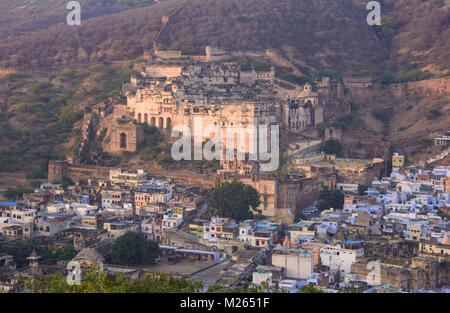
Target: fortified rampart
[[38, 72], [164, 22], [434, 86], [280, 60], [57, 170], [362, 88], [34, 72]]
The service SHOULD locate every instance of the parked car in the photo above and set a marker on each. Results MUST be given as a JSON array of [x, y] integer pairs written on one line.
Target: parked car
[[156, 260], [173, 260]]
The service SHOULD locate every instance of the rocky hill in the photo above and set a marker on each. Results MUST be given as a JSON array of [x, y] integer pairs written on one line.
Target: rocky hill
[[422, 34], [320, 34], [35, 33], [18, 17], [41, 116]]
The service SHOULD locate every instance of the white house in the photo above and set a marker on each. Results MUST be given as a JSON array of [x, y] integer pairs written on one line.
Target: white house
[[341, 256]]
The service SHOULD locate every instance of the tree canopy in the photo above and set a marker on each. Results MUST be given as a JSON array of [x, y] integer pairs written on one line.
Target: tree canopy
[[331, 199], [95, 281], [332, 146], [21, 249], [133, 248], [310, 289], [65, 253], [234, 200]]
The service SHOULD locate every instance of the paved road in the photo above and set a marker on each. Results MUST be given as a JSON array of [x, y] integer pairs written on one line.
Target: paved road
[[211, 274]]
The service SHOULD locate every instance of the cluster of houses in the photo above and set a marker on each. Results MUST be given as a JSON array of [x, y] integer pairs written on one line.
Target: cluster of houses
[[126, 201], [399, 227], [255, 233]]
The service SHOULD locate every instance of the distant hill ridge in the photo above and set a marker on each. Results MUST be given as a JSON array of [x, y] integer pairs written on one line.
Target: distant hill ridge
[[320, 34]]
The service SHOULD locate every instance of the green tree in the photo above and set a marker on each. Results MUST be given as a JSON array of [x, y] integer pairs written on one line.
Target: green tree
[[133, 248], [310, 289], [332, 146], [65, 253], [234, 200], [264, 287], [362, 189], [387, 29], [388, 26], [65, 182], [330, 199], [22, 249], [433, 114], [95, 281], [387, 78], [16, 193]]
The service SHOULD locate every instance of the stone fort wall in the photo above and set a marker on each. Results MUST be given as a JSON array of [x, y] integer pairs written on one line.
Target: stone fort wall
[[57, 170], [361, 88]]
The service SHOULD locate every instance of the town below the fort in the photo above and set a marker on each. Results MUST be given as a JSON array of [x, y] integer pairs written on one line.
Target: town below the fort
[[331, 219]]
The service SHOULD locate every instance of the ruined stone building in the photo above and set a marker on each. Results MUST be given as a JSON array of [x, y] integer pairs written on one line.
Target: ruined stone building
[[303, 111], [208, 97], [281, 200], [421, 273]]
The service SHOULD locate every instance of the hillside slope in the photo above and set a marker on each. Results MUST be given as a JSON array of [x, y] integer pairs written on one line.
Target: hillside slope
[[320, 34], [315, 34], [109, 36], [18, 17], [422, 34], [41, 117]]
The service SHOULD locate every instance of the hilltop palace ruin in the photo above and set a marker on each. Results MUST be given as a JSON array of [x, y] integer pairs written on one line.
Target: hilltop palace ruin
[[171, 91]]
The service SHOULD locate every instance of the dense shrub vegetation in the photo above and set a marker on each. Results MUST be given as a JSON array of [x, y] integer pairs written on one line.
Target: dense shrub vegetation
[[309, 28], [234, 200], [43, 114], [332, 146], [133, 248], [22, 249], [331, 199]]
